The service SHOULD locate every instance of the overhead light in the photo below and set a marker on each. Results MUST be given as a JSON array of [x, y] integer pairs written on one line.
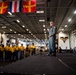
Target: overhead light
[[47, 29], [23, 26], [9, 13], [29, 32], [10, 29], [69, 20], [15, 32], [41, 20], [43, 25], [27, 38], [34, 36], [3, 26], [30, 40], [39, 11], [75, 12], [62, 29], [27, 29], [44, 29], [18, 34], [14, 37], [11, 36], [18, 21], [24, 37], [21, 35], [65, 25], [44, 32]]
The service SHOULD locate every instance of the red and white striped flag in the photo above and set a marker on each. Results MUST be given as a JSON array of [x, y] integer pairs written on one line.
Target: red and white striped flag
[[15, 6]]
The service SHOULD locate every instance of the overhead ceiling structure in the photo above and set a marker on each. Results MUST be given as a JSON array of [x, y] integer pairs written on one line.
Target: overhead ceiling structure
[[29, 25]]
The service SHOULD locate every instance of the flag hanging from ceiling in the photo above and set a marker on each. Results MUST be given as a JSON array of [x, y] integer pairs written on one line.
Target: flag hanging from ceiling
[[3, 7], [29, 6], [15, 6]]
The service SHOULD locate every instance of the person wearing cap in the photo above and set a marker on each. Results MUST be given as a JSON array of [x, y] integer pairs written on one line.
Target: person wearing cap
[[52, 37]]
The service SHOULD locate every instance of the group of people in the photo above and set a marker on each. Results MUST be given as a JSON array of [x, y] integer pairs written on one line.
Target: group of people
[[16, 52]]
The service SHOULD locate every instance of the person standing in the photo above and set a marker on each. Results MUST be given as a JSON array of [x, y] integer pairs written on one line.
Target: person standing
[[22, 48], [52, 37], [33, 47], [1, 52]]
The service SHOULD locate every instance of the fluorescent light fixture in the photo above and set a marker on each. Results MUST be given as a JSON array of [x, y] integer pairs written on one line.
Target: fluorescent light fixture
[[15, 32], [18, 21], [23, 26], [18, 34], [3, 26], [44, 32], [62, 29], [34, 36], [31, 34], [44, 29], [27, 29], [14, 37], [30, 40], [21, 35], [65, 25], [39, 11], [10, 29], [47, 29], [69, 20], [41, 20], [75, 12], [24, 37], [6, 34], [9, 13], [11, 36], [43, 25]]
